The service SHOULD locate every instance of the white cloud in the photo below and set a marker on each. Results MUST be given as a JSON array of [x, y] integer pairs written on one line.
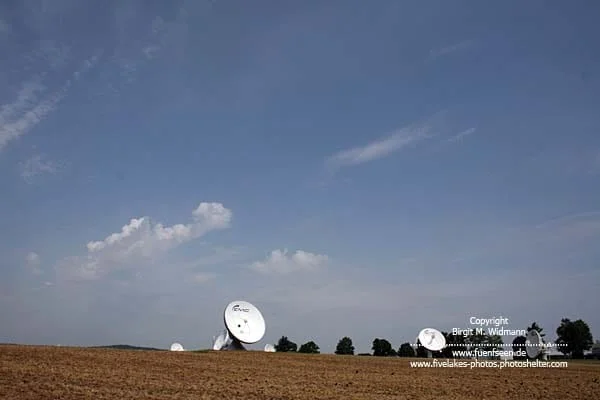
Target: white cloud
[[79, 268], [33, 103], [35, 166], [280, 262], [115, 238], [23, 101], [32, 111], [435, 53], [382, 147], [140, 236], [460, 136], [143, 239]]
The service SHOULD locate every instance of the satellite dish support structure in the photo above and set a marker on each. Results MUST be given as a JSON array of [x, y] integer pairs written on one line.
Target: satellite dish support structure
[[244, 324]]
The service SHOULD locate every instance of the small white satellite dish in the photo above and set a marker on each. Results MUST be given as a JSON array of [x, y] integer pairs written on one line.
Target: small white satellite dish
[[432, 339], [244, 323], [269, 348], [545, 351], [176, 347], [533, 343]]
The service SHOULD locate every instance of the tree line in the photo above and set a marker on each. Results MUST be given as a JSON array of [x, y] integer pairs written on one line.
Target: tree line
[[574, 338]]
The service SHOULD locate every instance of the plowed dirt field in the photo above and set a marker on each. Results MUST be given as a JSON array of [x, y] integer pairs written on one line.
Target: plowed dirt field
[[39, 372]]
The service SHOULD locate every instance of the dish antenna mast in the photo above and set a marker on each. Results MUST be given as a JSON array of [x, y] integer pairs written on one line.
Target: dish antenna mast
[[432, 340], [244, 324], [177, 347], [534, 345], [221, 341]]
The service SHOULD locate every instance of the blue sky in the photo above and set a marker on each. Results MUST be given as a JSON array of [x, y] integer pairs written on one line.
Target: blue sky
[[352, 170]]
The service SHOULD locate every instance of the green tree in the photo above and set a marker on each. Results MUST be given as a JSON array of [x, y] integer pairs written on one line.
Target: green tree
[[344, 346], [421, 350], [477, 340], [453, 343], [406, 350], [382, 348], [518, 346], [574, 337], [285, 345], [309, 348], [494, 342], [535, 326], [483, 341]]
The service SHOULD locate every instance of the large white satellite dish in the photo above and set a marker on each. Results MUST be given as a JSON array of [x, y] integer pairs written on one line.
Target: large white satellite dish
[[269, 348], [432, 339], [176, 347], [533, 343], [245, 325]]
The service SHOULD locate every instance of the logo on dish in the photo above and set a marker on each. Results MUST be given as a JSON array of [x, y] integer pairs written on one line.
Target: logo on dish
[[238, 308]]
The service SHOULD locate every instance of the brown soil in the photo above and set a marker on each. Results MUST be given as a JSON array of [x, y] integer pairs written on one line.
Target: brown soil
[[39, 372]]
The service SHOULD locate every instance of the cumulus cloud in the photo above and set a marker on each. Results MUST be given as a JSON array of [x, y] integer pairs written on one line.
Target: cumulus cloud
[[281, 262], [143, 239], [141, 235]]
